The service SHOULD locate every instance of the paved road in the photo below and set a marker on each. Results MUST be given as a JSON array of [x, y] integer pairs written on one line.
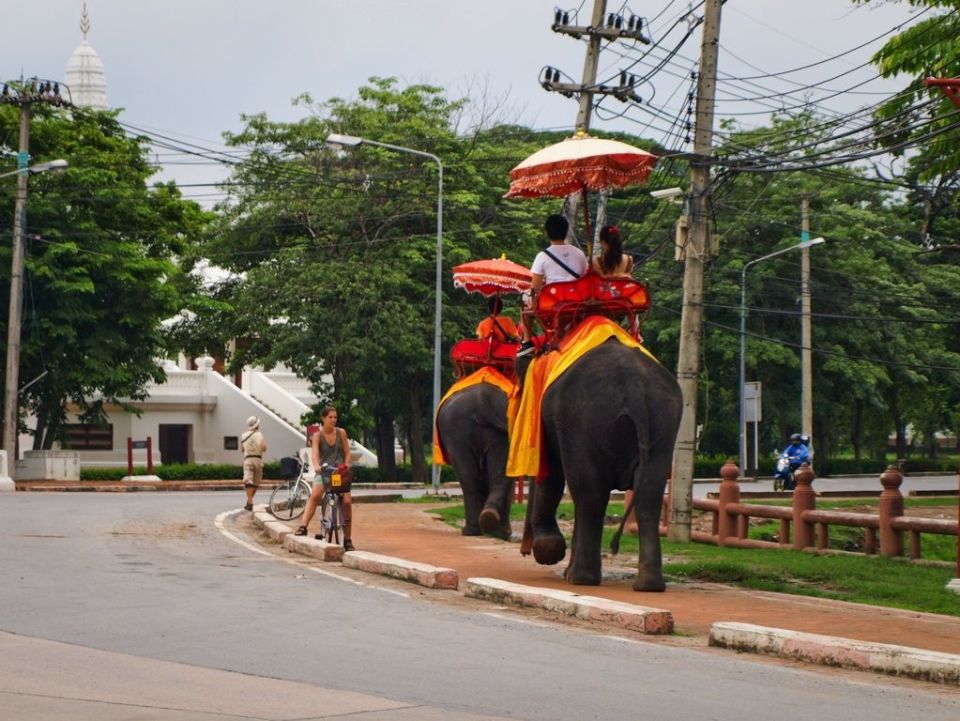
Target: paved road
[[163, 610]]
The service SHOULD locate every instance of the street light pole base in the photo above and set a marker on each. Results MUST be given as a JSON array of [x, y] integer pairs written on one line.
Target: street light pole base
[[6, 482]]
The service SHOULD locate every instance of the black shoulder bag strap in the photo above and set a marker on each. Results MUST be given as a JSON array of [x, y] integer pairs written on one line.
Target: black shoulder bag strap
[[561, 263], [507, 336]]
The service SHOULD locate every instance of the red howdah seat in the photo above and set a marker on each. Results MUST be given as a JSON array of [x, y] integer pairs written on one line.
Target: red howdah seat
[[470, 354], [562, 305]]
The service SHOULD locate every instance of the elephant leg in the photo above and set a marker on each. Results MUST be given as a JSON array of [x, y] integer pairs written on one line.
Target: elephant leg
[[586, 565], [473, 485], [495, 516], [649, 502], [549, 546]]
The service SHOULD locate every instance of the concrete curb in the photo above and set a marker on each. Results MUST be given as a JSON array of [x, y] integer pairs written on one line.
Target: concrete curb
[[590, 608], [834, 651], [419, 573], [310, 546]]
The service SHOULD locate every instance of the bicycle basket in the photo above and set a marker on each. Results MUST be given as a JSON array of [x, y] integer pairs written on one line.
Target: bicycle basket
[[338, 480], [289, 467]]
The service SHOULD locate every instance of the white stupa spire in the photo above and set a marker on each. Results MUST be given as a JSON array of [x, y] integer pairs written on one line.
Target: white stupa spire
[[85, 76]]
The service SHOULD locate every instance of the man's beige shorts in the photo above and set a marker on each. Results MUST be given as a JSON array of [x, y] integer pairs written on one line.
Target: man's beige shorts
[[252, 471]]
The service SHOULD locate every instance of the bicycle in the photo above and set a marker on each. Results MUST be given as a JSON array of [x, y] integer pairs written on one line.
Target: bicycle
[[290, 497], [331, 505]]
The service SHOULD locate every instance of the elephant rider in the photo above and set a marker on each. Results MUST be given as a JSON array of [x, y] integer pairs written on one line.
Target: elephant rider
[[612, 261], [500, 327], [558, 262]]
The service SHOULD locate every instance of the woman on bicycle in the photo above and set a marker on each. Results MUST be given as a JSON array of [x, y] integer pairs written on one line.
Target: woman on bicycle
[[330, 446]]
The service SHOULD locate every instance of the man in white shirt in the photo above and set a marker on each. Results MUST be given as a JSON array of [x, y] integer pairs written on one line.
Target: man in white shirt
[[558, 262]]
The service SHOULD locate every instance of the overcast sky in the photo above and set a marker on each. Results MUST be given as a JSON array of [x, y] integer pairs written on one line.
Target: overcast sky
[[189, 68]]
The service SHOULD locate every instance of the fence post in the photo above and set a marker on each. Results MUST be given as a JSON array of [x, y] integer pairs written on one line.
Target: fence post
[[804, 499], [889, 507], [149, 455], [129, 456], [729, 493]]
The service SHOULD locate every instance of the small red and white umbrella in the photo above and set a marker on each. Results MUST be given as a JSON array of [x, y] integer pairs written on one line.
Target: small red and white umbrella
[[490, 277], [580, 163]]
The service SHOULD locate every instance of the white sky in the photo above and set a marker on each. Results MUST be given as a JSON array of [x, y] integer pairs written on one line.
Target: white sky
[[189, 68]]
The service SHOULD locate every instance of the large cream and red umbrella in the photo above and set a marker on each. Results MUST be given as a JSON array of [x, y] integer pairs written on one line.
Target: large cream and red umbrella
[[580, 164], [490, 277]]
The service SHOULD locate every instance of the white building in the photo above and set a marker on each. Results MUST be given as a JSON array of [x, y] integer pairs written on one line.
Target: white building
[[85, 76]]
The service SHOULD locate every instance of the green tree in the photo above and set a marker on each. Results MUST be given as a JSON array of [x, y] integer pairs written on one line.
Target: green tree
[[338, 249], [99, 271]]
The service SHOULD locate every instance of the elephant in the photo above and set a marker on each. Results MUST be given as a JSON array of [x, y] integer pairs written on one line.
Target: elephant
[[609, 423], [472, 425]]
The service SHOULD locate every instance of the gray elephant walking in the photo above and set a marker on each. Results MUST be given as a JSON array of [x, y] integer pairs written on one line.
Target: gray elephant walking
[[609, 423], [472, 430]]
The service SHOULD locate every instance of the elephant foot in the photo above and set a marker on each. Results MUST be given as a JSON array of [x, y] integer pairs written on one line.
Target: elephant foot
[[489, 520], [470, 531], [649, 582], [579, 577], [549, 550]]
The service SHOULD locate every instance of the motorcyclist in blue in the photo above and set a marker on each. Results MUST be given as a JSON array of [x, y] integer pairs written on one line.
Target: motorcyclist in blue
[[796, 454]]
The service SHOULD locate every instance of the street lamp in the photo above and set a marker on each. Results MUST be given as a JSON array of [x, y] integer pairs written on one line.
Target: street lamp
[[11, 406], [743, 339], [350, 141]]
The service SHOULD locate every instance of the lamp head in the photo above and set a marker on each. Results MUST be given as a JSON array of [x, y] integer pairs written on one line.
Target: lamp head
[[336, 140], [812, 241], [666, 193], [55, 166]]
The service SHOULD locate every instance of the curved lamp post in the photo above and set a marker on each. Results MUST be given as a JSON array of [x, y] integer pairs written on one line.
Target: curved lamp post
[[337, 140], [743, 340], [11, 407]]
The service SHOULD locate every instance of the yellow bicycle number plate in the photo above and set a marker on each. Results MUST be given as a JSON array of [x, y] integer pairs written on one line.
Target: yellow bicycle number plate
[[335, 480]]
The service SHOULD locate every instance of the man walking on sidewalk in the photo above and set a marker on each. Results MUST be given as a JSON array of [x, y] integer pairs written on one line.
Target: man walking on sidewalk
[[253, 445]]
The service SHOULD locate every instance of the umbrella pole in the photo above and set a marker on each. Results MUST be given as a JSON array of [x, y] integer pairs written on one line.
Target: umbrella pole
[[586, 222]]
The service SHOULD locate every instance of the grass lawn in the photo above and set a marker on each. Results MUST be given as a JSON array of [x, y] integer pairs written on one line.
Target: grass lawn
[[863, 579]]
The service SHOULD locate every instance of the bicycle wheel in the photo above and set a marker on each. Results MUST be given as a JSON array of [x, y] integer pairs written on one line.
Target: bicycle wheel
[[332, 518], [288, 500]]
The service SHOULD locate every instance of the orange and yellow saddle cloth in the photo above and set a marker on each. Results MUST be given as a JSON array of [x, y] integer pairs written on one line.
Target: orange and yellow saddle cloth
[[525, 423], [487, 374]]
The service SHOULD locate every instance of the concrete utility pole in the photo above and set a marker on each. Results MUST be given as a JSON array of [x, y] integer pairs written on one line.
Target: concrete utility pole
[[11, 407], [688, 364], [806, 339], [590, 63], [22, 94]]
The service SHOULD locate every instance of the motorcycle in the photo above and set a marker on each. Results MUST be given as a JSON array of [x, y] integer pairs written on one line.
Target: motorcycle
[[783, 479]]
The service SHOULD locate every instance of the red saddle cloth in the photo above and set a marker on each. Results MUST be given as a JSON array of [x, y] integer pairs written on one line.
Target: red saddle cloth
[[564, 304], [470, 354]]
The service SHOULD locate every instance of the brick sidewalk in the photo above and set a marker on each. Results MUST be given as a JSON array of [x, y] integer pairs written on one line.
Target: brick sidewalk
[[409, 531]]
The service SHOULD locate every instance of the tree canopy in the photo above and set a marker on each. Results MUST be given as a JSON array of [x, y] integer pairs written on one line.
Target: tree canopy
[[100, 273]]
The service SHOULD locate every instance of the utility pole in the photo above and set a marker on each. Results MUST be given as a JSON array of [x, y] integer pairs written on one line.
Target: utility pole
[[806, 340], [691, 320], [24, 95], [612, 27], [590, 63], [11, 407]]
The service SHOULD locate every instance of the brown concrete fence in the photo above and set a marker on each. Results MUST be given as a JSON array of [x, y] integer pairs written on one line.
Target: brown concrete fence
[[803, 526]]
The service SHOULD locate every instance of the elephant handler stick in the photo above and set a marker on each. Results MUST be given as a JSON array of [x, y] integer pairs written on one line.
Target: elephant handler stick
[[526, 544], [615, 541]]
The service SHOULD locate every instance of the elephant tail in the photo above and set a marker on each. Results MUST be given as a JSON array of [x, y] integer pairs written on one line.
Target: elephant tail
[[526, 544], [627, 511]]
